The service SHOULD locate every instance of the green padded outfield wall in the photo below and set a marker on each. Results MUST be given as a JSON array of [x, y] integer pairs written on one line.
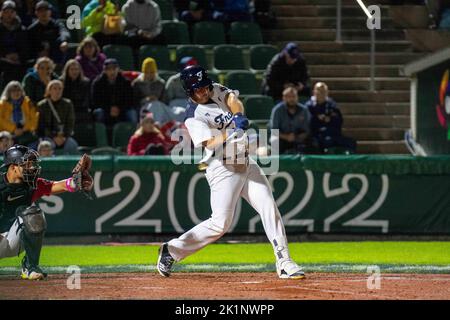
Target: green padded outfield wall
[[433, 130], [335, 194]]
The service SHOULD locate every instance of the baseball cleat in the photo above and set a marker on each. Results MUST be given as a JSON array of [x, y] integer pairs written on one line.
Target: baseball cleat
[[165, 261], [288, 269], [33, 274]]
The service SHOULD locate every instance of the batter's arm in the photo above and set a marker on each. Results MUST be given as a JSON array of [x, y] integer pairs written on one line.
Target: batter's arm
[[233, 103]]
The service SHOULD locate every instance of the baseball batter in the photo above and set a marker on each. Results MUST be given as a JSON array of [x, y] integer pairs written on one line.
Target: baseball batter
[[214, 116], [23, 224]]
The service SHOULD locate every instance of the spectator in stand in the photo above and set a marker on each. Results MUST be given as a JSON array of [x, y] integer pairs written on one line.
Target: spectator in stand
[[292, 119], [13, 44], [6, 141], [57, 119], [230, 10], [90, 58], [148, 86], [326, 122], [48, 38], [175, 94], [143, 23], [94, 23], [192, 11], [148, 139], [45, 149], [287, 69], [112, 96], [18, 115], [26, 8], [35, 82], [77, 88]]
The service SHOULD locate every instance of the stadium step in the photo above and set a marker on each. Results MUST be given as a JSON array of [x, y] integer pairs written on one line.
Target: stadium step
[[374, 108], [369, 96], [293, 34], [382, 147], [350, 46], [376, 119], [370, 134], [353, 70], [295, 10], [313, 58], [364, 83], [358, 23]]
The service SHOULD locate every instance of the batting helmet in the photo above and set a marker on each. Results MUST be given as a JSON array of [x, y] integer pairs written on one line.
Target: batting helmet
[[194, 77], [26, 158]]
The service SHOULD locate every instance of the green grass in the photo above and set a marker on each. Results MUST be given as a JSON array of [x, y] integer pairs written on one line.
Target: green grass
[[391, 253]]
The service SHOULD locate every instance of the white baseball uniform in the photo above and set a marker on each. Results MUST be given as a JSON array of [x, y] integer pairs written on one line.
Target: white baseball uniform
[[10, 243], [227, 184]]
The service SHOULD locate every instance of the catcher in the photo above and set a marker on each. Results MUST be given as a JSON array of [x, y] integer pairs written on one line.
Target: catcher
[[22, 223]]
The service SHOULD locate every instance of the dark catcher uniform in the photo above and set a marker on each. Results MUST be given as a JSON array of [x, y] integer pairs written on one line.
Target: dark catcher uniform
[[22, 224]]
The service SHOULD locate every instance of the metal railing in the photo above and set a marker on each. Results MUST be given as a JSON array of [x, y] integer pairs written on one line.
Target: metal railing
[[372, 42]]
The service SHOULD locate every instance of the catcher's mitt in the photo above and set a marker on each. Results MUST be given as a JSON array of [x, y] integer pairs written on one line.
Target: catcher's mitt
[[81, 177]]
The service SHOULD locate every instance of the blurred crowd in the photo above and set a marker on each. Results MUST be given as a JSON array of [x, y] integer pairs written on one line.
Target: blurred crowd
[[48, 93]]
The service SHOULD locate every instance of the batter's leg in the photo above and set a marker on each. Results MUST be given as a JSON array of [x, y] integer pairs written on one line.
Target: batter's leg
[[258, 193], [225, 187]]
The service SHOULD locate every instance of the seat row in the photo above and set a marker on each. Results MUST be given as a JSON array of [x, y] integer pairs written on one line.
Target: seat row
[[225, 57], [92, 136]]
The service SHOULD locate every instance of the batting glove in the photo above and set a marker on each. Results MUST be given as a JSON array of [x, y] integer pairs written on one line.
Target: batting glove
[[241, 121]]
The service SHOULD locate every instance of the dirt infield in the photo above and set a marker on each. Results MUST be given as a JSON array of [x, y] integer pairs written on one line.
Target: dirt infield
[[229, 286]]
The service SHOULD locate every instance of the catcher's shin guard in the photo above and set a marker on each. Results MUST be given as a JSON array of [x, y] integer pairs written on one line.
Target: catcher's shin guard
[[286, 268], [33, 230]]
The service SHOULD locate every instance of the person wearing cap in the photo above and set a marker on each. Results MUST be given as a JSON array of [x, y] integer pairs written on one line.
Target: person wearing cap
[[148, 86], [286, 69], [48, 37], [112, 97], [143, 23], [14, 51], [175, 94]]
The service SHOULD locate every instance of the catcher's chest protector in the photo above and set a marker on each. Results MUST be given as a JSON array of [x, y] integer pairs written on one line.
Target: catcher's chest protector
[[12, 196]]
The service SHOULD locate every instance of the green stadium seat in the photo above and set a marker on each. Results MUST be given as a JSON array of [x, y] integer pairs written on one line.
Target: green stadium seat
[[175, 32], [192, 51], [123, 54], [84, 134], [245, 33], [160, 53], [122, 131], [209, 33], [164, 74], [244, 81], [228, 57], [101, 135], [261, 55], [258, 107], [166, 8]]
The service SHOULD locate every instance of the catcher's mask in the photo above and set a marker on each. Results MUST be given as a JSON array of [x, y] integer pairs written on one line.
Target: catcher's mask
[[27, 159]]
